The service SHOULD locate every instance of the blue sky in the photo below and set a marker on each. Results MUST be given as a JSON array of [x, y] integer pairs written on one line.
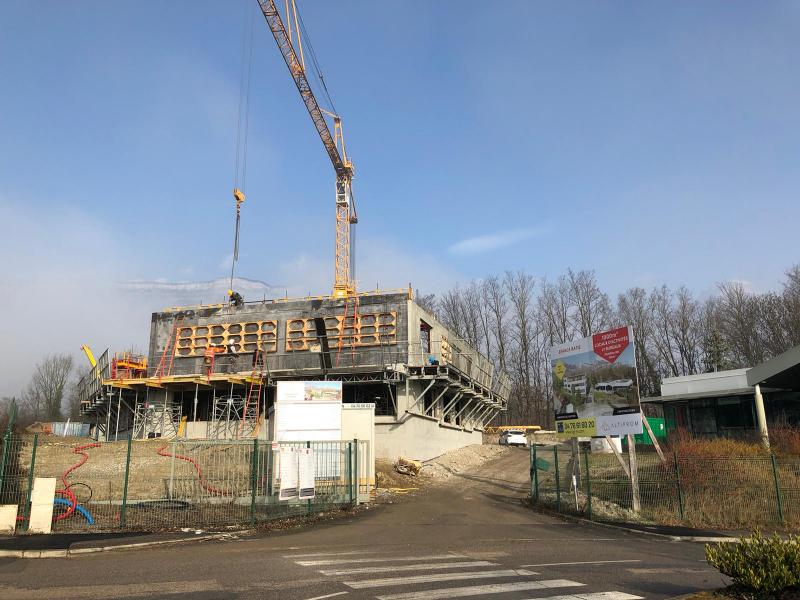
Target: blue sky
[[651, 142]]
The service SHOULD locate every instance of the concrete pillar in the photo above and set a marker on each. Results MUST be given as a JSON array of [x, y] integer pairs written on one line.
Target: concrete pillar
[[761, 417]]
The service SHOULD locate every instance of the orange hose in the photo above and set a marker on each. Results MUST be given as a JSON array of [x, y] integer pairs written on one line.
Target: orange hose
[[73, 501], [203, 483]]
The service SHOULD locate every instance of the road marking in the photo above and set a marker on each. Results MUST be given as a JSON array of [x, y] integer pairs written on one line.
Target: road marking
[[668, 571], [417, 567], [434, 577], [477, 590], [328, 595], [588, 562], [320, 563], [594, 596], [314, 554]]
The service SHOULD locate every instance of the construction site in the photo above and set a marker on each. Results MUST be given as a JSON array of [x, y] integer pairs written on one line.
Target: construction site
[[211, 371]]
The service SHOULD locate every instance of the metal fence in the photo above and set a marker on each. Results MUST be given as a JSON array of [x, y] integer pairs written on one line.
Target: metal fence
[[150, 485], [697, 491]]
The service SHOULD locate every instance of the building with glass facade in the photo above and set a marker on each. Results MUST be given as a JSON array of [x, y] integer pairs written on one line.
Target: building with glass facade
[[724, 403]]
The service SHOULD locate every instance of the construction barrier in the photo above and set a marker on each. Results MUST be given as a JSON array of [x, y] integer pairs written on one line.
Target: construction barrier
[[149, 485]]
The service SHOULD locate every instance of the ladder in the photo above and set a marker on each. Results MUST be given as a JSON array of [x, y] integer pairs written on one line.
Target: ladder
[[349, 323], [164, 368], [249, 423]]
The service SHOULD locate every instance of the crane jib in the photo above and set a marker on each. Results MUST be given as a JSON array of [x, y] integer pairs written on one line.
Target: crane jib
[[275, 23]]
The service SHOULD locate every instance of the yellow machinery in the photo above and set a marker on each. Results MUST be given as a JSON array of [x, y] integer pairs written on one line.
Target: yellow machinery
[[502, 428], [343, 283]]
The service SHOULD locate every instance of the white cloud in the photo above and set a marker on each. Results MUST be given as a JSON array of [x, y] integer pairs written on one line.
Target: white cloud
[[493, 241]]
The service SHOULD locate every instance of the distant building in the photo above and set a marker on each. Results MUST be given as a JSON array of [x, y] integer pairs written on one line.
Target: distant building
[[723, 403]]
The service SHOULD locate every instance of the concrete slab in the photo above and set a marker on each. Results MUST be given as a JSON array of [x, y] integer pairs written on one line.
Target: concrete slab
[[44, 491], [8, 518]]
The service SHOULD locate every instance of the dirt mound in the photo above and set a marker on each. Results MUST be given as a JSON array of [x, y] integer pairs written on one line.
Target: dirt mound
[[463, 459]]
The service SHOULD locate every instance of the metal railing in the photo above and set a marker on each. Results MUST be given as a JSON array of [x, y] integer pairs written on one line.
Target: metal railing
[[151, 485], [699, 491]]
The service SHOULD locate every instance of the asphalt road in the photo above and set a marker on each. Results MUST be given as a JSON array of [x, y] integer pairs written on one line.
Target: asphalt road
[[469, 537]]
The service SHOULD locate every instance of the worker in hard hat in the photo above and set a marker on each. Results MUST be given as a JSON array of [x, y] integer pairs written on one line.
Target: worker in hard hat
[[235, 298]]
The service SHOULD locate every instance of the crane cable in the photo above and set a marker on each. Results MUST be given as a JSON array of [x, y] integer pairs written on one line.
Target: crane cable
[[242, 129]]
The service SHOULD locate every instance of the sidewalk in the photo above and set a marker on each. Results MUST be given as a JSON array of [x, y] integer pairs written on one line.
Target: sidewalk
[[61, 545]]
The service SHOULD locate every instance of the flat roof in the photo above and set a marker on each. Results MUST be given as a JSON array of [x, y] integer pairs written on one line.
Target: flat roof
[[783, 371], [742, 391]]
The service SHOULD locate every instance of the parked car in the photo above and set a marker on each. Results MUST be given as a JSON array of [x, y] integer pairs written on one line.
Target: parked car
[[513, 437]]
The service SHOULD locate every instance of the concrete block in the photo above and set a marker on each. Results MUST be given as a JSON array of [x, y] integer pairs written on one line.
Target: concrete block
[[8, 518], [44, 491]]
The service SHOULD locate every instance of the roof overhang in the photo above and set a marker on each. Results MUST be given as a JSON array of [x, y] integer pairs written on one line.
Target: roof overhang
[[783, 371], [745, 391]]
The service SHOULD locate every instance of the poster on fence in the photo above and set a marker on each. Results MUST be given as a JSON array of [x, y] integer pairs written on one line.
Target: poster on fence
[[288, 470], [306, 473], [595, 385]]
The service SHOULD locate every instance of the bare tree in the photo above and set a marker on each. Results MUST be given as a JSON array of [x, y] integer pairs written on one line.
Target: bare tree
[[739, 315], [495, 297], [427, 302], [45, 392], [592, 308]]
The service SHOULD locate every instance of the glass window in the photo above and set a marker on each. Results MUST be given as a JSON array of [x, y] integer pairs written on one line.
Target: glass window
[[729, 413], [704, 418]]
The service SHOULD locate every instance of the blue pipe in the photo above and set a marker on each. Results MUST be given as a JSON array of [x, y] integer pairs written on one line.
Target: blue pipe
[[78, 508]]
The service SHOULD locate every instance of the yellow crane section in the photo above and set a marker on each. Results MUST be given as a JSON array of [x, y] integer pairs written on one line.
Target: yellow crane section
[[343, 284]]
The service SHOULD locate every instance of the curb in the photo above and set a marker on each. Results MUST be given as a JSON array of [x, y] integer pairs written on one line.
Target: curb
[[663, 536], [66, 553]]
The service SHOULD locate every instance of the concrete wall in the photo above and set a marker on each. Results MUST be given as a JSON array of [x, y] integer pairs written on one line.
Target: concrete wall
[[705, 382], [419, 438], [280, 311]]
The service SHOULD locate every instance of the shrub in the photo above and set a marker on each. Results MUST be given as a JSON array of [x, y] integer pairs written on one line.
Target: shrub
[[764, 566], [785, 440]]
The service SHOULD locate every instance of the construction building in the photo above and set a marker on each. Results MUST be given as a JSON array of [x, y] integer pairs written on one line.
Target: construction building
[[212, 370]]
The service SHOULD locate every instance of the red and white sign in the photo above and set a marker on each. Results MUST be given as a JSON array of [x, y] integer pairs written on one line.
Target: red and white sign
[[608, 345]]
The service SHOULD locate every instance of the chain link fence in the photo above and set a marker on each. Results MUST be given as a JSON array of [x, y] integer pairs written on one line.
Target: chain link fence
[[695, 491], [150, 485]]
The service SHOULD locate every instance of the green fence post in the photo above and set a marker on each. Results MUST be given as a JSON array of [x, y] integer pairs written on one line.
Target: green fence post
[[535, 475], [253, 482], [350, 470], [308, 502], [30, 479], [123, 510], [678, 483], [4, 461], [777, 487], [356, 481], [588, 484], [558, 479], [270, 462]]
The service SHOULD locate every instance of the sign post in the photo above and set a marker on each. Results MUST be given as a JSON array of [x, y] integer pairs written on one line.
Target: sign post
[[596, 392]]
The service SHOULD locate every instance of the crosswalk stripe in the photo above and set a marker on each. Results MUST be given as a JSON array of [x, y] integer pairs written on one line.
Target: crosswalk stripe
[[315, 554], [320, 563], [434, 577], [415, 567], [477, 590], [594, 596]]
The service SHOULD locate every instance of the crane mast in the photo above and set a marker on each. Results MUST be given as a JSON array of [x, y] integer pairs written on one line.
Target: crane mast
[[343, 283]]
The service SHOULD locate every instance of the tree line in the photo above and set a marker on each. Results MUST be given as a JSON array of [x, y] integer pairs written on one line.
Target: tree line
[[514, 319], [50, 395]]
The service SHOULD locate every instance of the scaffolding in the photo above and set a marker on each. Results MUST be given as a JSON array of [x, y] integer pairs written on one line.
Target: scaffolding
[[156, 419]]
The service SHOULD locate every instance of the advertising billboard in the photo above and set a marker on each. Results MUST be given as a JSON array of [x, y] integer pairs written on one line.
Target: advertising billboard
[[595, 385]]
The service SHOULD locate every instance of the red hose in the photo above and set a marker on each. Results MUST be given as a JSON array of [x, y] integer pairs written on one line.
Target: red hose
[[203, 483], [73, 501]]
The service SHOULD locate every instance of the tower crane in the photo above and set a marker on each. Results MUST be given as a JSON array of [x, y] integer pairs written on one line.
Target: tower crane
[[346, 216]]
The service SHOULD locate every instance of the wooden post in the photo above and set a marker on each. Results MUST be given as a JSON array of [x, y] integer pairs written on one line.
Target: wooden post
[[619, 456], [634, 475], [653, 439]]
